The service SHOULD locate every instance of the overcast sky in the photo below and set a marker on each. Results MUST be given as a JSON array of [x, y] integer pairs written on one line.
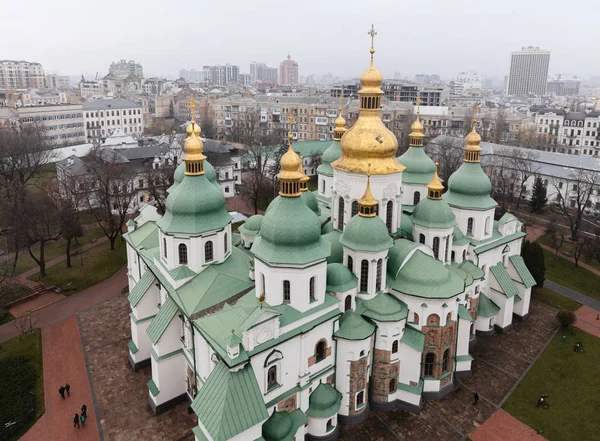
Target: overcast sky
[[71, 37]]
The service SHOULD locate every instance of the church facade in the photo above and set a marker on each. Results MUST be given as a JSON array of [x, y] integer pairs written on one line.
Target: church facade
[[366, 294]]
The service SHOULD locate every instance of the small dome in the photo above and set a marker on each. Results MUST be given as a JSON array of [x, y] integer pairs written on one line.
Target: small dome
[[366, 234], [473, 139], [324, 402], [469, 187], [277, 427], [371, 78], [433, 213], [290, 164], [419, 167], [340, 122], [337, 250], [211, 174], [332, 154], [417, 126], [253, 223], [179, 173], [310, 200], [340, 278], [327, 228]]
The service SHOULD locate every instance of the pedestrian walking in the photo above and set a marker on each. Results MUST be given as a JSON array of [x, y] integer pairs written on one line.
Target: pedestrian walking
[[68, 388], [61, 391], [475, 398], [76, 420], [84, 410], [83, 418]]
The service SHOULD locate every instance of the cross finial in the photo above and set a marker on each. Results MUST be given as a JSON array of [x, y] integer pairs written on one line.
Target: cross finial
[[475, 110], [369, 170], [192, 106], [372, 33], [419, 101], [291, 120], [341, 100]]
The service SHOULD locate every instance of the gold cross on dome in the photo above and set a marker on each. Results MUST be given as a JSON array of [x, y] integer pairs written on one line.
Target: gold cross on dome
[[419, 101], [372, 33], [341, 100], [475, 109], [291, 117], [192, 106]]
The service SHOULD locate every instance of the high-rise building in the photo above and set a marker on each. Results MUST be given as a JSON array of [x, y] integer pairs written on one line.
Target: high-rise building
[[21, 75], [122, 69], [528, 71], [288, 71], [563, 85], [221, 75], [262, 72]]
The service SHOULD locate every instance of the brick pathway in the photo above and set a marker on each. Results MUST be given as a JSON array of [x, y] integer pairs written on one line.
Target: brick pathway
[[59, 311], [36, 303], [64, 362], [502, 426], [588, 320]]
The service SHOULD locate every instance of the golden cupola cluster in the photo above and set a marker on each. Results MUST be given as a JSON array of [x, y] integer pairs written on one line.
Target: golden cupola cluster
[[416, 129], [367, 203], [368, 140], [193, 146], [290, 175], [435, 187], [473, 139]]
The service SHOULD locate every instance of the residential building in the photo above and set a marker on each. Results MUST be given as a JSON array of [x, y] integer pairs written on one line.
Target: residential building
[[21, 75], [574, 133], [9, 118], [37, 97], [528, 71], [261, 72], [563, 85], [122, 69], [427, 79], [225, 159], [220, 75], [466, 82], [288, 71], [90, 88], [408, 92], [104, 117], [61, 82], [61, 124]]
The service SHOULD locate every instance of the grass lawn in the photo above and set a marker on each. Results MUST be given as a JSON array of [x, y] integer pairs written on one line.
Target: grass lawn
[[568, 247], [99, 263], [55, 249], [555, 300], [569, 380], [29, 347], [5, 316], [566, 273], [14, 292]]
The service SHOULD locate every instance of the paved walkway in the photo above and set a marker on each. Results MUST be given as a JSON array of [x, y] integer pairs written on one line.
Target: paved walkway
[[38, 302], [502, 426], [588, 319], [573, 295], [59, 311], [64, 362]]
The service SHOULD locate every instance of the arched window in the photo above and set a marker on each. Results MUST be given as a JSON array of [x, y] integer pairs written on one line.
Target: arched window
[[341, 214], [330, 425], [429, 363], [350, 263], [286, 291], [470, 226], [225, 243], [445, 360], [183, 260], [227, 189], [321, 350], [208, 251], [272, 377], [392, 385], [433, 320], [348, 303], [447, 247], [364, 275], [453, 255], [360, 398], [379, 273], [464, 254], [355, 208], [484, 269], [416, 318], [362, 353], [436, 246], [487, 225], [389, 215], [448, 318], [165, 247], [322, 185], [416, 197], [421, 238], [311, 289], [395, 347], [262, 285]]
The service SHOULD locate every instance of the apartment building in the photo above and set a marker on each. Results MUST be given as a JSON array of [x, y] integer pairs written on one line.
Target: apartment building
[[122, 69], [61, 124], [288, 71], [21, 75], [528, 71], [54, 81], [103, 117], [262, 72], [574, 133], [220, 75], [563, 85], [408, 93]]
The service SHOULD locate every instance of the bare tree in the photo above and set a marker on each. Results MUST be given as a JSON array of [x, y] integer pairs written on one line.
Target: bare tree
[[524, 164], [579, 247], [557, 237], [160, 178], [499, 125], [530, 138], [110, 191], [580, 186], [502, 177], [448, 153]]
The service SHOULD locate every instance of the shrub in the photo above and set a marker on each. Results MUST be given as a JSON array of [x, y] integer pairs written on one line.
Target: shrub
[[566, 318], [533, 255], [18, 378]]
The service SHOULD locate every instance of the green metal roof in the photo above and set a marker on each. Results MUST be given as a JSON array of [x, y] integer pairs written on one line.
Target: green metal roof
[[340, 278], [140, 288], [506, 218], [195, 206], [466, 357], [252, 226], [463, 274], [282, 426], [311, 201], [433, 213], [333, 153], [290, 233], [419, 166], [398, 253], [309, 148], [145, 237], [337, 250], [458, 238], [487, 308], [406, 225], [413, 338], [522, 271], [229, 402], [327, 228], [486, 246], [470, 187], [504, 280], [471, 269], [463, 313], [324, 402], [424, 276], [161, 322], [181, 272], [366, 234], [354, 327], [383, 307]]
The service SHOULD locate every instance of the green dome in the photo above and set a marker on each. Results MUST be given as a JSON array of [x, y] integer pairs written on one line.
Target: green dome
[[177, 177], [470, 187], [327, 228], [311, 201], [433, 213], [337, 250], [354, 327], [252, 225], [333, 153], [340, 278], [324, 402], [278, 426], [290, 233], [366, 234], [194, 206], [211, 174], [384, 308], [419, 166]]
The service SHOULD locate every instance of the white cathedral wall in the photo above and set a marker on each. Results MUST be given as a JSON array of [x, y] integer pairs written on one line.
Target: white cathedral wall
[[352, 186], [347, 351], [253, 432], [444, 235], [483, 222], [141, 340], [484, 324], [203, 353], [410, 371], [169, 376], [318, 426], [434, 306], [133, 267], [341, 296], [522, 307], [408, 193], [504, 317], [325, 186], [170, 341], [372, 258]]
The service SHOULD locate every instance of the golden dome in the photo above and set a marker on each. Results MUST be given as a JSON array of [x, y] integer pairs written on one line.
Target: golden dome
[[435, 187], [367, 202], [193, 128], [472, 147], [193, 147], [416, 127], [304, 179], [290, 165], [371, 79]]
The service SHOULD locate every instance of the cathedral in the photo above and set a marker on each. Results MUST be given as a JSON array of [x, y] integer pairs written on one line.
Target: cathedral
[[365, 294]]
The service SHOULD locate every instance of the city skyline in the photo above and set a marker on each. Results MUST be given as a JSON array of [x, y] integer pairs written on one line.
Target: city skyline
[[479, 38]]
